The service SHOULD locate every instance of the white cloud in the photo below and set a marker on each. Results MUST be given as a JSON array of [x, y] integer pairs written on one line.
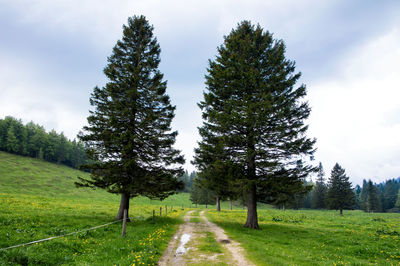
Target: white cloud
[[103, 20], [24, 96], [351, 111]]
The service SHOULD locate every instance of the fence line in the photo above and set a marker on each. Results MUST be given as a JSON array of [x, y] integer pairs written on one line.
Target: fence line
[[53, 237], [76, 232]]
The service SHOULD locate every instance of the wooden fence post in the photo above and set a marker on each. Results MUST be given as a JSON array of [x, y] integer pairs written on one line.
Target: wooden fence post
[[160, 210], [166, 210], [153, 215], [124, 222]]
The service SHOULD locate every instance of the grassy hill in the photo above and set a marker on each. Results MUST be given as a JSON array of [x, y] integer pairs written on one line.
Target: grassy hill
[[26, 176], [30, 176], [39, 200]]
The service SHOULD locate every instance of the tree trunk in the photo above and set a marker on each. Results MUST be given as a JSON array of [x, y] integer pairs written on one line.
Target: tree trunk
[[206, 205], [252, 221], [341, 212], [230, 204], [124, 204], [218, 204], [283, 207]]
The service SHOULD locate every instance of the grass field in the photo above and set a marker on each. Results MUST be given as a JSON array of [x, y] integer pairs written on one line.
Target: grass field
[[306, 237], [39, 200]]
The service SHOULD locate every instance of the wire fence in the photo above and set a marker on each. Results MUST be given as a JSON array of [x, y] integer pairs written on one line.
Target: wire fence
[[54, 237], [80, 231]]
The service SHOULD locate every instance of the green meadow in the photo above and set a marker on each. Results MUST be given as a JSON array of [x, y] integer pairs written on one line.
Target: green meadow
[[39, 200], [311, 237]]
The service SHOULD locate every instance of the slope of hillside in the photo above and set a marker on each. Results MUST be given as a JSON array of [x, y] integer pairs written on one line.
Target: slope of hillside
[[39, 200], [24, 176], [29, 176]]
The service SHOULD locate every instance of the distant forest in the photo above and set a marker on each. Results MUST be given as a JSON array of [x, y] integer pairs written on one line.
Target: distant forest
[[33, 141], [369, 197], [188, 179]]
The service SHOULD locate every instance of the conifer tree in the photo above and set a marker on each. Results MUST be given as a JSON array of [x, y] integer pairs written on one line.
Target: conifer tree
[[12, 144], [216, 172], [397, 205], [129, 135], [195, 194], [372, 203], [390, 194], [357, 191], [253, 110], [340, 194], [320, 189], [363, 196], [201, 195]]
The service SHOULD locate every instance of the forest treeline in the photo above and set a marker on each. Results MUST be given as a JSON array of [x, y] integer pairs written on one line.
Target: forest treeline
[[32, 140], [369, 197], [188, 179]]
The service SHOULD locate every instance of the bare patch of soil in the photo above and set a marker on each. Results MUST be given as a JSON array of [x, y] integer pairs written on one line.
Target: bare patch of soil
[[232, 251], [234, 248], [170, 256]]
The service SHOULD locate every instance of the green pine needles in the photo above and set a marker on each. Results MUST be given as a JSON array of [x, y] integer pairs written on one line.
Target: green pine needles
[[320, 190], [253, 119], [340, 194], [129, 135]]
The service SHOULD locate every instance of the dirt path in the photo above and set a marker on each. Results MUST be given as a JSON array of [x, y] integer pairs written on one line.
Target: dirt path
[[198, 241]]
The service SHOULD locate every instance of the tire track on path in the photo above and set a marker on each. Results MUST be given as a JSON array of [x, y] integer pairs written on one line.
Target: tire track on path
[[233, 253]]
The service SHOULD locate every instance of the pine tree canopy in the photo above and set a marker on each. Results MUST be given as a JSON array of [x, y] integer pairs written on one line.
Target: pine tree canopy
[[340, 194], [373, 203], [397, 205], [254, 111], [320, 189], [129, 135]]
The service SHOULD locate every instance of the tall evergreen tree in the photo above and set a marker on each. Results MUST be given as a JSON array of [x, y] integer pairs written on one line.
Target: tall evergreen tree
[[253, 109], [340, 194], [62, 147], [129, 135], [185, 179], [363, 196], [201, 195], [51, 146], [390, 194], [357, 191], [195, 194], [320, 189], [373, 203], [216, 171], [12, 143], [397, 205]]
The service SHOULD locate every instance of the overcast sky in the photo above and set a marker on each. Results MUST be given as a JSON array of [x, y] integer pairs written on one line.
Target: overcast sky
[[52, 54]]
